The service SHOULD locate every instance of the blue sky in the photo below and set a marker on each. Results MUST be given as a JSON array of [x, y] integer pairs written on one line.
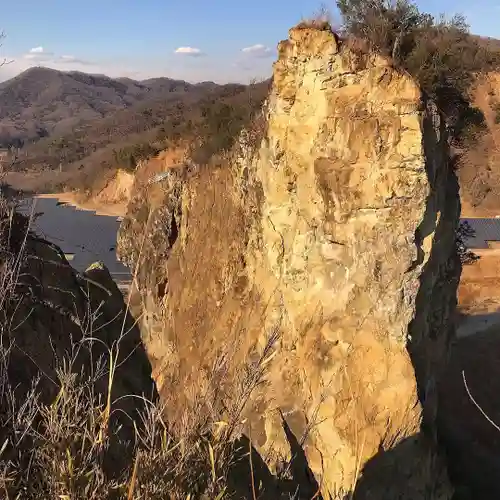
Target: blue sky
[[139, 38]]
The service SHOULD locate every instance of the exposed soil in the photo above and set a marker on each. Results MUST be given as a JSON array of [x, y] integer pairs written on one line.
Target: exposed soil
[[468, 210], [113, 209], [479, 290], [111, 200], [479, 171]]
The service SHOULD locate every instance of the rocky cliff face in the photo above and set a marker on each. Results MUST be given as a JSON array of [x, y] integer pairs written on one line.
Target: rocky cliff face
[[319, 261]]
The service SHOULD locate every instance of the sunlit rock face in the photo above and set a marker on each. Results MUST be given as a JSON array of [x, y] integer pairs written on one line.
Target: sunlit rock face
[[323, 252]]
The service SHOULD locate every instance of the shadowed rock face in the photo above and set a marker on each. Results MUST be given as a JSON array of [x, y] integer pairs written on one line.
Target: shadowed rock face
[[328, 245], [53, 318]]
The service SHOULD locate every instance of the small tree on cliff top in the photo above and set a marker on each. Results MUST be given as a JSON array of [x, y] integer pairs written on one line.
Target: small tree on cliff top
[[439, 53], [387, 25]]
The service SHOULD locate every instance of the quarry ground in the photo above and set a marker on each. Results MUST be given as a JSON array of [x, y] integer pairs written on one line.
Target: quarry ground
[[472, 376]]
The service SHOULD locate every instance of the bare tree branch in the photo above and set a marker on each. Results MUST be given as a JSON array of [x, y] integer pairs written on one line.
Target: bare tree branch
[[3, 61]]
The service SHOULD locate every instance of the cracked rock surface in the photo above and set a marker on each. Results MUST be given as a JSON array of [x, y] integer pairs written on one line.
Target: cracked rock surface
[[329, 241]]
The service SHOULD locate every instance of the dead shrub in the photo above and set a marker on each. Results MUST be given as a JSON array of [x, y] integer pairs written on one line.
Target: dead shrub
[[320, 20]]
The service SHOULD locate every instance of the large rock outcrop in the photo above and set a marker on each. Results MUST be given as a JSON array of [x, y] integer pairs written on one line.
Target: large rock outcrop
[[319, 260]]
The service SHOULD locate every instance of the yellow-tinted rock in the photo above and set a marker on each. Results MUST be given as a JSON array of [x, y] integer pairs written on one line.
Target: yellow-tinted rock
[[337, 235]]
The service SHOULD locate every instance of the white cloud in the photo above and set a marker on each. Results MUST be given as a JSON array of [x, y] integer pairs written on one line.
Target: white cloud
[[189, 51], [254, 62], [38, 54], [258, 50], [176, 66]]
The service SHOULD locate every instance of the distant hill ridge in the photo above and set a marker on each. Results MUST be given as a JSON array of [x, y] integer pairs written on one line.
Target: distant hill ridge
[[42, 101], [80, 125]]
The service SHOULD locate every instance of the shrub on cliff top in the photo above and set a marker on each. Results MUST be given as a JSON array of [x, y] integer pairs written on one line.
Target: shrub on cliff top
[[387, 25], [321, 20], [440, 54]]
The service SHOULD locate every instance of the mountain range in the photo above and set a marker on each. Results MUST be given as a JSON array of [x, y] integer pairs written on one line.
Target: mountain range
[[78, 121], [42, 101]]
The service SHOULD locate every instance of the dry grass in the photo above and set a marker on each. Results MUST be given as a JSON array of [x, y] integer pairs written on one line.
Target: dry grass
[[320, 20], [72, 445], [313, 23], [69, 446]]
